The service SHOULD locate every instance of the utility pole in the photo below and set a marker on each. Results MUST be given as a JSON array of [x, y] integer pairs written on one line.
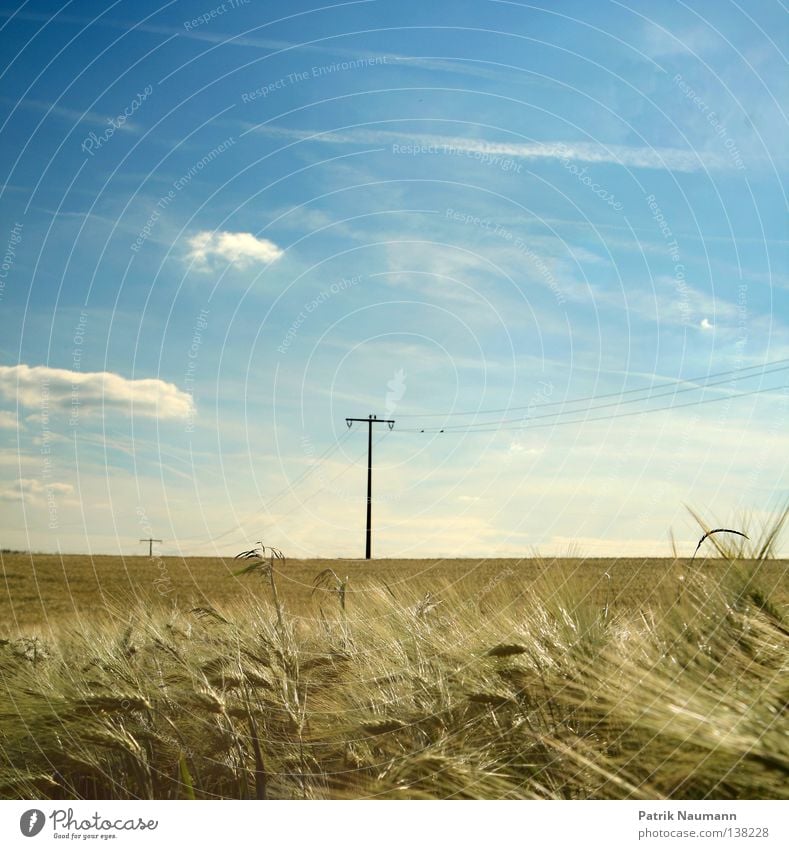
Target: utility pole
[[371, 420], [150, 541]]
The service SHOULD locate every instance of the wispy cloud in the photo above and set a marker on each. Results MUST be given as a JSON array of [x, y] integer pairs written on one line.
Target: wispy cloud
[[184, 31], [239, 249], [48, 388], [694, 41], [8, 420], [666, 304], [73, 116], [628, 156]]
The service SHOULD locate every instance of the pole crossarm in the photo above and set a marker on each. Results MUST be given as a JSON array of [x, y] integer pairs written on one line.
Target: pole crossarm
[[370, 421], [375, 420], [150, 541]]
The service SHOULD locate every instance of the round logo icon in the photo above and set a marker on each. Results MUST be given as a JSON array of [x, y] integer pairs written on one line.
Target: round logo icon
[[31, 822]]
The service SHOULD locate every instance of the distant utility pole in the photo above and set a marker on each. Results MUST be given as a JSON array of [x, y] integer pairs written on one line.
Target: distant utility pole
[[150, 541], [371, 420]]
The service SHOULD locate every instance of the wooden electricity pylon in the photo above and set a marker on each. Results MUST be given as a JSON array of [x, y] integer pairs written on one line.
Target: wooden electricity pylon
[[371, 420], [150, 541]]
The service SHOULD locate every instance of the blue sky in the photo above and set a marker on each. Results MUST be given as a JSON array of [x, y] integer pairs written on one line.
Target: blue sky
[[228, 227]]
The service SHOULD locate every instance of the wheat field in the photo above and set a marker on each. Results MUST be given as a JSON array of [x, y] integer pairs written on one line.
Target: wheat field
[[512, 679]]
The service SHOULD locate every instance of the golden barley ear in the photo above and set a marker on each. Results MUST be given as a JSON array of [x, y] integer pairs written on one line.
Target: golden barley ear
[[323, 580], [209, 612]]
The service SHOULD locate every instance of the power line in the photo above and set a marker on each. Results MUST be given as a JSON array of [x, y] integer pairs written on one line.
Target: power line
[[485, 428], [278, 496], [599, 397], [672, 392], [325, 484], [331, 480]]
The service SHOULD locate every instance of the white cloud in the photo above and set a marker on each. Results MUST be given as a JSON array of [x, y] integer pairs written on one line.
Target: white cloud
[[8, 420], [517, 447], [32, 491], [49, 389], [665, 158], [694, 41], [240, 249]]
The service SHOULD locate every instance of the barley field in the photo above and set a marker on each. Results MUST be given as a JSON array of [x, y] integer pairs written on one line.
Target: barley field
[[513, 679]]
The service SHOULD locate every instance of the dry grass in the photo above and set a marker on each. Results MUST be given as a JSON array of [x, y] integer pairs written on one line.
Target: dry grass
[[472, 679], [41, 592]]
